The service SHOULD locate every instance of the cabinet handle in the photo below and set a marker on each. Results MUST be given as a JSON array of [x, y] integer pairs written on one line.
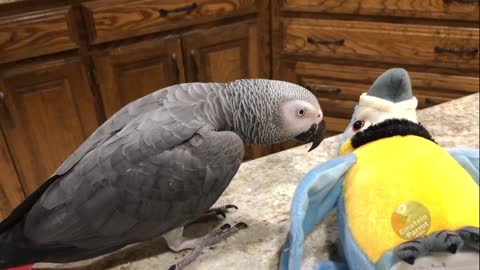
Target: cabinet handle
[[188, 8], [430, 101], [313, 40], [466, 2], [175, 67], [8, 115], [193, 56], [469, 52], [326, 90]]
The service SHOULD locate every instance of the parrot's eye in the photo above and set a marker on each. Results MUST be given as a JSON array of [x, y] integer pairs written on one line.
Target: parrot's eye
[[358, 125], [301, 112]]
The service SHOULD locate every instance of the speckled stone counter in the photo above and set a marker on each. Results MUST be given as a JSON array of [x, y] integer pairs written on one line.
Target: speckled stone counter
[[263, 189]]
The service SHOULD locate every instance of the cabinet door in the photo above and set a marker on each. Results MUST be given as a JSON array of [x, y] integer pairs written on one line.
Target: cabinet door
[[128, 71], [11, 192], [224, 54], [48, 111]]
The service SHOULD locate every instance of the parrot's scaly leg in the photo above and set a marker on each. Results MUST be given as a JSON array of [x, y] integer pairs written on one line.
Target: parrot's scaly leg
[[434, 242], [215, 212], [470, 236], [199, 244]]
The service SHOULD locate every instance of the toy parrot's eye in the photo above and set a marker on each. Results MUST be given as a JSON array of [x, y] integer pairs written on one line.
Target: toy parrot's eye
[[301, 112], [358, 125]]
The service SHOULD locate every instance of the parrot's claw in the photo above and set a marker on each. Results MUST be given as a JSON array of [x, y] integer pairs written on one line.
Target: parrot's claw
[[410, 260], [215, 212], [470, 236], [434, 242], [213, 238], [445, 241], [410, 250]]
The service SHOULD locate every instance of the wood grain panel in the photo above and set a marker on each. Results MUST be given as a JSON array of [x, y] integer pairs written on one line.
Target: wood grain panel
[[127, 72], [52, 113], [33, 34], [436, 46], [365, 76], [113, 19], [436, 9], [11, 192]]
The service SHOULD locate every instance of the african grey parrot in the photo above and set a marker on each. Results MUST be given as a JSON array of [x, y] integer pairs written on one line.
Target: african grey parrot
[[156, 165]]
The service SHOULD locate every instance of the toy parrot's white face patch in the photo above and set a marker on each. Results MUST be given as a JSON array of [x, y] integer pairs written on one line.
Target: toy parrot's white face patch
[[373, 110]]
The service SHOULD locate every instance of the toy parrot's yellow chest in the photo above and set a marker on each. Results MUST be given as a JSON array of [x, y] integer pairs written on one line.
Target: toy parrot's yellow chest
[[394, 170]]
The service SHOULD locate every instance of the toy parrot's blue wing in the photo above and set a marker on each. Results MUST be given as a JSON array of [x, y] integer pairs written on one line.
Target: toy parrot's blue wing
[[314, 197], [468, 158]]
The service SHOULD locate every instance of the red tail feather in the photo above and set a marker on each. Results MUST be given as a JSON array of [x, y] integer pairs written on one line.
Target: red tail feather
[[25, 267]]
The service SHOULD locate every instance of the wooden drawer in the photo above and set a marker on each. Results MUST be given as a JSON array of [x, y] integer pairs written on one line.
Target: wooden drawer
[[437, 46], [465, 10], [33, 34], [114, 19]]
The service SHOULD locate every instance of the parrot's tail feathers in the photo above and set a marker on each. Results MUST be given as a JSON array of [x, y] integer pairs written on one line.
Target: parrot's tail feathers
[[19, 212], [12, 256], [25, 267]]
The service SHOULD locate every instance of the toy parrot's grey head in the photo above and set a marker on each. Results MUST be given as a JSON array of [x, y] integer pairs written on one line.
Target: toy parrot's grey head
[[389, 97], [270, 111]]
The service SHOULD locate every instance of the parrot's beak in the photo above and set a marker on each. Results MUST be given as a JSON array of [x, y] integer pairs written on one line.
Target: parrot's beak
[[315, 135]]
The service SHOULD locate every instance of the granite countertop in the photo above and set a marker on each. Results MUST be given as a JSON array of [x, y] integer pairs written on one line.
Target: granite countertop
[[263, 188]]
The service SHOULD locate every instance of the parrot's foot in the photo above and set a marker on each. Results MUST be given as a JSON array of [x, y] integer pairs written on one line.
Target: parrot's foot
[[197, 245], [410, 250], [214, 212], [470, 236], [434, 242]]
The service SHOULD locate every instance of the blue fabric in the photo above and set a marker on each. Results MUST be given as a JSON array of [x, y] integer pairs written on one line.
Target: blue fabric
[[468, 158], [329, 265], [315, 196]]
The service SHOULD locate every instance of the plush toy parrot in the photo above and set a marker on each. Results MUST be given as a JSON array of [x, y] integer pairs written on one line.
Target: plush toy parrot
[[398, 195]]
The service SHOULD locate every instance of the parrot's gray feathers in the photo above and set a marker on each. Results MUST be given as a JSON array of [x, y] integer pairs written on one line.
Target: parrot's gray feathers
[[185, 182]]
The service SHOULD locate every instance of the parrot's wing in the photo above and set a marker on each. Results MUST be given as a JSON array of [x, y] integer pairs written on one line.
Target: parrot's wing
[[140, 200], [314, 197], [181, 92], [468, 158]]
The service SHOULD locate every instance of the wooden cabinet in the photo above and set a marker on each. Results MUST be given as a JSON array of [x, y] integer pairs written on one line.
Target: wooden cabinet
[[222, 54], [129, 71], [35, 33], [48, 112], [11, 192], [338, 48], [113, 19]]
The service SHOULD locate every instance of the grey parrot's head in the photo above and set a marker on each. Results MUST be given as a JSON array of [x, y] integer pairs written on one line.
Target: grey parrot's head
[[270, 111]]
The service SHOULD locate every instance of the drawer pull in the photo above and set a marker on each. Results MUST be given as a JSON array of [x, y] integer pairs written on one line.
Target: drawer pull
[[187, 9], [430, 101], [193, 56], [470, 52], [8, 115], [313, 40], [326, 90], [466, 2], [175, 67]]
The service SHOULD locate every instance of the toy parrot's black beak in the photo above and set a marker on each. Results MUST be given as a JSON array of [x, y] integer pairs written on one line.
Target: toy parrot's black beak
[[315, 135]]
